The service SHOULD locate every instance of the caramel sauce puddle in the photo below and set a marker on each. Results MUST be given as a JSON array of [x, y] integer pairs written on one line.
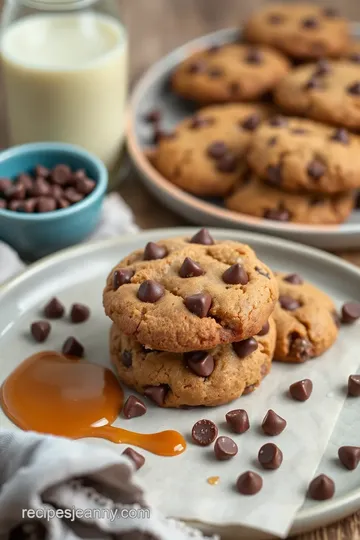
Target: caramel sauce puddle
[[61, 395]]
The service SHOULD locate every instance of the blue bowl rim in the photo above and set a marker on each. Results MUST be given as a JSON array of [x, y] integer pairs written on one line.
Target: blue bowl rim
[[24, 149]]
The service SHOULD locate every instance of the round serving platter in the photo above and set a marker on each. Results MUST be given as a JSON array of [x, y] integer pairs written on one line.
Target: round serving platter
[[153, 93]]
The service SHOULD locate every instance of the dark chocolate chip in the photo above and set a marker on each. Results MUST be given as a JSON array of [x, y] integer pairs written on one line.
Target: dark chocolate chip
[[72, 195], [246, 347], [134, 407], [204, 432], [126, 358], [249, 483], [72, 347], [29, 205], [54, 309], [200, 362], [227, 164], [198, 122], [278, 121], [150, 291], [354, 88], [217, 149], [40, 330], [275, 18], [62, 203], [3, 204], [197, 67], [202, 237], [321, 488], [45, 204], [225, 448], [262, 272], [323, 67], [274, 174], [251, 122], [190, 268], [288, 303], [79, 174], [56, 191], [135, 457], [79, 313], [340, 135], [215, 72], [5, 184], [61, 174], [199, 304], [270, 456], [350, 312], [121, 277], [235, 275], [153, 251], [310, 22], [40, 170], [85, 186], [301, 390], [15, 192], [153, 117], [16, 206], [249, 389], [349, 456], [300, 347], [273, 424], [277, 214], [157, 393], [265, 329], [238, 420], [294, 279], [355, 57], [354, 385], [254, 56], [26, 181]]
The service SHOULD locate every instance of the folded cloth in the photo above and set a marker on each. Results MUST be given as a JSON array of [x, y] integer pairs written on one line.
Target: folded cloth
[[116, 219], [53, 488]]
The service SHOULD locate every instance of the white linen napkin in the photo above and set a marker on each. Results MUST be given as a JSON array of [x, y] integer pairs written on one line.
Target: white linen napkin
[[116, 218], [58, 489]]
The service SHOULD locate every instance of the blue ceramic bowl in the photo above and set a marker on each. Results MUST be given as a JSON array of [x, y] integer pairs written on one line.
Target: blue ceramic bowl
[[36, 235]]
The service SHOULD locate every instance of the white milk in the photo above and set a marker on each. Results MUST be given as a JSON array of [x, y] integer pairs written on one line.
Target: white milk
[[66, 80]]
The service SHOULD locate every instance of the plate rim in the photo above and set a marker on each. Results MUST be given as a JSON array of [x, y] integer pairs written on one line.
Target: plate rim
[[151, 176], [307, 518]]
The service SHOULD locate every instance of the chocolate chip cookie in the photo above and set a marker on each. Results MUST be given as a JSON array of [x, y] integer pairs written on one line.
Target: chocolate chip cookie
[[186, 294], [210, 377], [326, 91], [298, 154], [205, 155], [300, 30], [229, 73], [253, 197], [305, 318]]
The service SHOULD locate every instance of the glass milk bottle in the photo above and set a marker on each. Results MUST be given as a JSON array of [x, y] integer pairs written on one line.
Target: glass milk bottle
[[65, 74]]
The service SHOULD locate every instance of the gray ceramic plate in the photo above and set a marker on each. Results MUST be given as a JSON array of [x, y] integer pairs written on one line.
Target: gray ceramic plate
[[152, 92], [79, 273]]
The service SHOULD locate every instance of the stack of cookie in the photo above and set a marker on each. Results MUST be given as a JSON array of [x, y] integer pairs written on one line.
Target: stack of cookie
[[261, 162], [192, 320]]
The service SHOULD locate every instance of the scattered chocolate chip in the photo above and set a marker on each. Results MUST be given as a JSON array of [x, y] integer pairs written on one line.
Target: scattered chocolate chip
[[301, 390], [246, 347], [275, 18], [72, 195], [270, 456], [157, 393], [54, 309], [273, 424], [135, 457], [288, 303], [321, 488], [274, 175], [354, 88], [234, 88], [79, 313], [254, 56], [251, 122], [217, 149], [215, 72], [265, 329], [235, 275], [72, 347], [153, 251], [126, 358], [199, 304], [313, 84], [310, 22], [354, 385], [225, 448], [350, 312], [355, 57], [202, 237], [262, 272], [150, 291], [198, 122], [204, 432], [278, 121], [298, 131], [238, 420], [5, 184], [330, 12], [85, 186], [323, 67], [45, 204], [249, 389], [277, 214], [349, 456], [249, 483], [40, 330], [340, 135], [200, 362], [197, 67], [121, 277], [133, 407], [153, 117], [294, 279], [227, 164], [190, 268], [300, 347]]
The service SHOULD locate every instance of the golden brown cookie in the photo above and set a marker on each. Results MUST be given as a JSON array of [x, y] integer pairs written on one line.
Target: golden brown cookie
[[296, 154], [186, 294], [305, 318], [326, 91], [205, 154], [301, 30], [256, 198], [196, 378], [229, 73]]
